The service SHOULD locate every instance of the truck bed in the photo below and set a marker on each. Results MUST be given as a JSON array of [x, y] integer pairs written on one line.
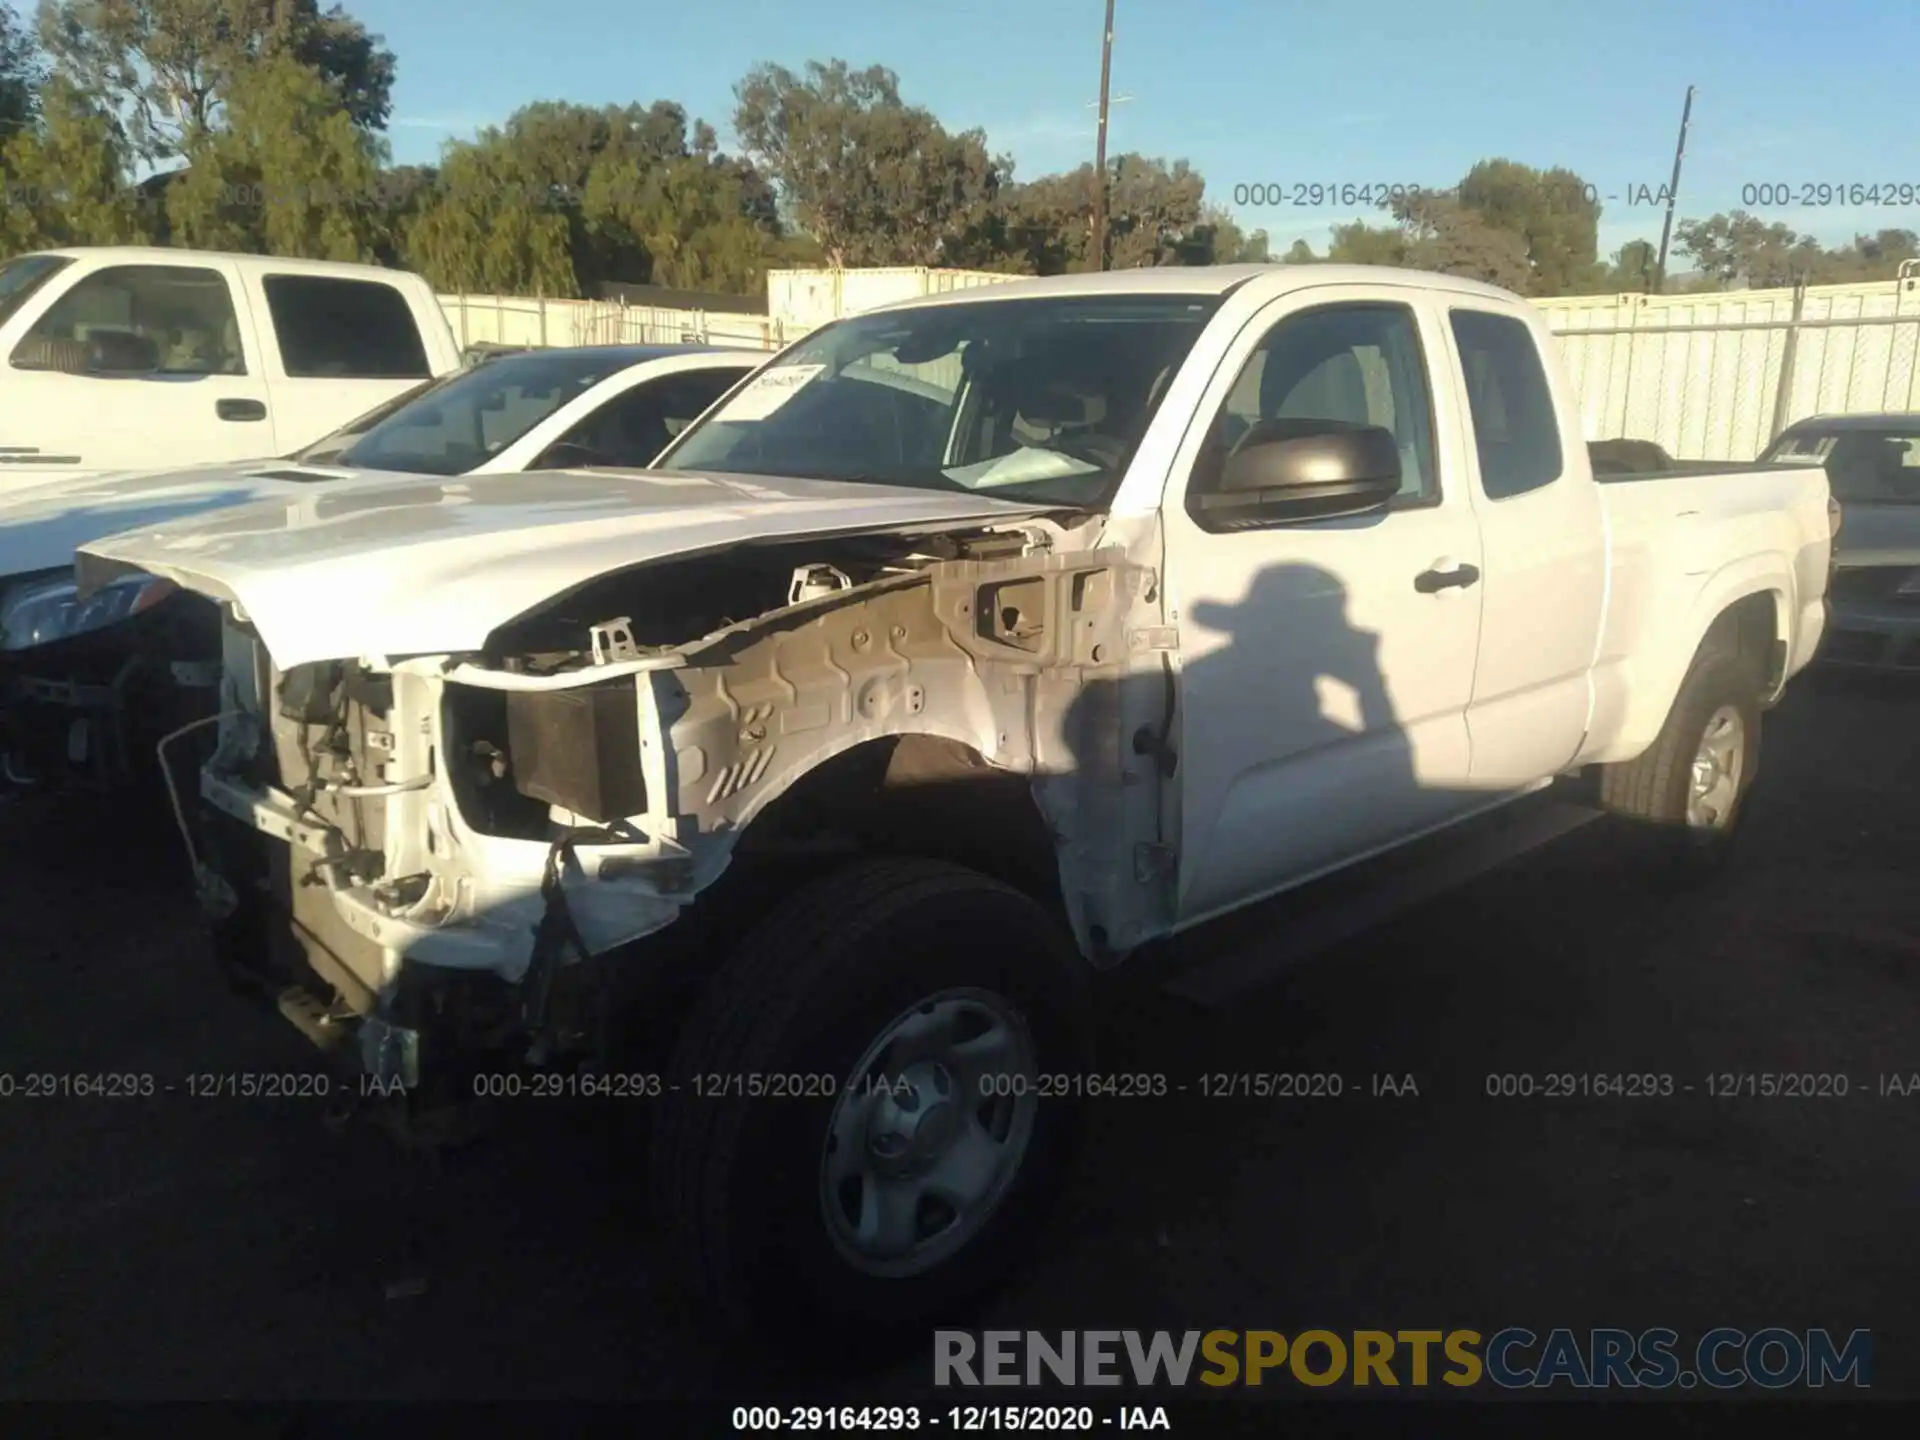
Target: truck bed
[[1677, 469], [1680, 543]]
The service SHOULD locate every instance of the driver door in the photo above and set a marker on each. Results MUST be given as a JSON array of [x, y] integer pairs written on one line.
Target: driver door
[[136, 367], [1325, 665]]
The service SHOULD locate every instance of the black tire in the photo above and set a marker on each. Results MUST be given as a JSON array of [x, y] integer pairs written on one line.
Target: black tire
[[1653, 790], [736, 1180]]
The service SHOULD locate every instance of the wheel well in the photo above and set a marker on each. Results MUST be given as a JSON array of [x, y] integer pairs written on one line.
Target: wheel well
[[1750, 629], [901, 795], [915, 795]]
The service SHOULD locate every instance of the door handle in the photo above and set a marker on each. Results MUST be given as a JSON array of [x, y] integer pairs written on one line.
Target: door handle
[[1427, 582], [240, 409]]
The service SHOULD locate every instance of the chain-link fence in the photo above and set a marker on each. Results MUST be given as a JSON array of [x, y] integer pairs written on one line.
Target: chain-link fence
[[1716, 377]]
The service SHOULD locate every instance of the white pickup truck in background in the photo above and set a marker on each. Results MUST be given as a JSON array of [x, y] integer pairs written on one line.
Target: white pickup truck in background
[[972, 642], [137, 358]]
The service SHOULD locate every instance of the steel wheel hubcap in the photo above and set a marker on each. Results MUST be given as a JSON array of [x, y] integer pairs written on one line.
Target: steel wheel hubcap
[[928, 1133], [1718, 768]]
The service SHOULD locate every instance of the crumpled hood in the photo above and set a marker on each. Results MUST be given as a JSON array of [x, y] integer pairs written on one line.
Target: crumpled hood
[[1878, 535], [42, 526], [434, 567]]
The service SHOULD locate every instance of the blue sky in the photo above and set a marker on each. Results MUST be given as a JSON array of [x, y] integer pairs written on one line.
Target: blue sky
[[1284, 91]]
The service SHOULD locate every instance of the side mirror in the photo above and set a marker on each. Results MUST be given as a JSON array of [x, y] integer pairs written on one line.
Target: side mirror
[[1321, 476]]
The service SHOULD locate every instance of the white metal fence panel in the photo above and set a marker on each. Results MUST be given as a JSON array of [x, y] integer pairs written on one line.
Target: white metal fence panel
[[521, 320], [807, 299], [1715, 377]]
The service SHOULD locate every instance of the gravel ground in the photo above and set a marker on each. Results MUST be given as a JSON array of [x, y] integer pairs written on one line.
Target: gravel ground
[[174, 1247]]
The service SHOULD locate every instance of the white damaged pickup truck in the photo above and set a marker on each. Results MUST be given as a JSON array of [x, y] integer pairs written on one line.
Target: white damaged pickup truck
[[973, 643]]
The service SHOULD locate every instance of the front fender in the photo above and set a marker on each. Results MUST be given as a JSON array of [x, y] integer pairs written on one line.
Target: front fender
[[1054, 698]]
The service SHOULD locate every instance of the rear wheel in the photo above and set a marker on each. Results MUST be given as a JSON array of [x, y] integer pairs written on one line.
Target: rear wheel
[[858, 1138], [1692, 783]]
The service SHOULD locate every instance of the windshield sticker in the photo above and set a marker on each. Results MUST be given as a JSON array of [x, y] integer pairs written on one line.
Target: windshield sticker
[[767, 392], [1807, 449]]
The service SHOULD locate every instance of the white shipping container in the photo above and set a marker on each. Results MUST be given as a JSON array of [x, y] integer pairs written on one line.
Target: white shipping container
[[806, 299]]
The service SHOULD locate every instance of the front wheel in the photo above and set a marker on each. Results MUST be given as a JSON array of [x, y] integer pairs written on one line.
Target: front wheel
[[1693, 781], [867, 1117]]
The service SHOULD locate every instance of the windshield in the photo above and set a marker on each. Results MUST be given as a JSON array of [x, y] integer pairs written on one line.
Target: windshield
[[450, 425], [1867, 467], [1036, 400], [327, 451], [20, 277]]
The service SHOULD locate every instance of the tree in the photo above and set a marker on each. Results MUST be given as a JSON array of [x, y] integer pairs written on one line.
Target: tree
[[1046, 225], [1869, 257], [1449, 236], [1743, 249], [165, 69], [1435, 231], [22, 71], [1358, 243], [1553, 212], [1218, 240], [1152, 211], [290, 173], [486, 230], [687, 215], [1632, 269], [401, 193], [67, 179], [1155, 216], [1531, 231], [565, 196], [874, 180]]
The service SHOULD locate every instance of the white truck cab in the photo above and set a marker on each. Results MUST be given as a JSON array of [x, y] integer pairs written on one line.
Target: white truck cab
[[140, 358]]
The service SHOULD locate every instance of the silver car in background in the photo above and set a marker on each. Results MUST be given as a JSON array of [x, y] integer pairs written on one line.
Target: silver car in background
[[1873, 465]]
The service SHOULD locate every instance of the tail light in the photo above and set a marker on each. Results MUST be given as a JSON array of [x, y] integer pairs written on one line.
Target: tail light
[[1833, 516]]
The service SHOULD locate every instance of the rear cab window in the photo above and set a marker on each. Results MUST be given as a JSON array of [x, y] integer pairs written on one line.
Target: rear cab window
[[336, 329], [1515, 430]]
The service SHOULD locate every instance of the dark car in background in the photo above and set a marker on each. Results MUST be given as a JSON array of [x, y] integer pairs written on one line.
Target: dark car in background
[[1873, 465]]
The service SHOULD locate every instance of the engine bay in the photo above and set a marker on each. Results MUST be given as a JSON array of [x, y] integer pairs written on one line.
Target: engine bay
[[518, 756]]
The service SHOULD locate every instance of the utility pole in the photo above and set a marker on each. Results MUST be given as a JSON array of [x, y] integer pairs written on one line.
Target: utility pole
[[1100, 149], [1673, 194]]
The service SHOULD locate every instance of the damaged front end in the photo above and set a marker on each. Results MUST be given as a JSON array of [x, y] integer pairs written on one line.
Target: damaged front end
[[463, 849]]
